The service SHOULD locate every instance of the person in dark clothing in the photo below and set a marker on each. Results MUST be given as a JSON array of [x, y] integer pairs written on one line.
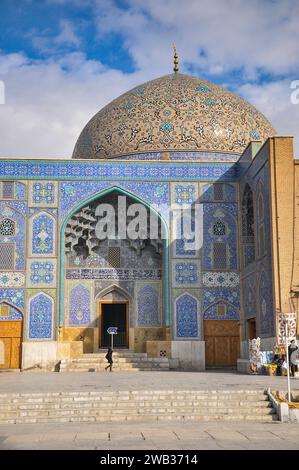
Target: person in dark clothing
[[292, 348], [109, 359]]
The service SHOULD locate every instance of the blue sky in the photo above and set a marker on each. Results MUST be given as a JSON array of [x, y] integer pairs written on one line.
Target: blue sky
[[62, 60]]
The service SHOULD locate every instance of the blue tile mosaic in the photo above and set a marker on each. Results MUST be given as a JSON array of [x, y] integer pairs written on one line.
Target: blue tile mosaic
[[43, 230], [148, 306], [20, 190], [41, 309], [43, 193], [186, 273], [9, 211], [186, 309], [72, 193], [15, 297], [13, 314], [227, 214], [79, 313], [42, 272], [118, 170]]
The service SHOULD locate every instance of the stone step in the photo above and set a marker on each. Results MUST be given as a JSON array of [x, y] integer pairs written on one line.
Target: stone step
[[133, 412], [128, 397], [117, 360], [120, 353], [141, 417], [128, 404]]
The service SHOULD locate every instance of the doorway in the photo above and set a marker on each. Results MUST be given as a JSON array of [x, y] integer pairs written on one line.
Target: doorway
[[222, 342], [113, 313], [251, 328], [10, 344]]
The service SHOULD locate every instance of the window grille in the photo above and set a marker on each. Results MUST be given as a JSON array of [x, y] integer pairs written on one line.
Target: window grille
[[7, 190], [7, 251], [7, 228], [219, 228], [218, 192], [114, 256], [219, 255]]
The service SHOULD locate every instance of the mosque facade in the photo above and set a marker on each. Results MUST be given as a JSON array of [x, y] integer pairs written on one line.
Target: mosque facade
[[177, 143]]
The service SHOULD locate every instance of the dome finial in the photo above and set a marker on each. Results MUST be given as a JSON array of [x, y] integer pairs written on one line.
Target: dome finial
[[175, 59]]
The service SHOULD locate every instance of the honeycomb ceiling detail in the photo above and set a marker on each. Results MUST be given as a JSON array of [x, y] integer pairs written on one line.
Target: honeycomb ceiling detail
[[173, 113]]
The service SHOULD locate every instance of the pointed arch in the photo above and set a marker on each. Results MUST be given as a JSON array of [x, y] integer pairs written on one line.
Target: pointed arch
[[43, 233], [40, 317], [81, 205], [186, 316], [107, 290], [79, 305], [16, 314]]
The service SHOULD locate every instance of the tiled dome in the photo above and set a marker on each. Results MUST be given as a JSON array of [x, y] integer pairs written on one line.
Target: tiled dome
[[173, 113]]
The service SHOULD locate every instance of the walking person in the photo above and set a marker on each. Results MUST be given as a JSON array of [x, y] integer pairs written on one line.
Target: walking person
[[292, 348], [109, 359]]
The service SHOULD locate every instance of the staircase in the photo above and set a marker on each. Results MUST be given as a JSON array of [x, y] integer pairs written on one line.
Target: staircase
[[122, 361], [135, 405]]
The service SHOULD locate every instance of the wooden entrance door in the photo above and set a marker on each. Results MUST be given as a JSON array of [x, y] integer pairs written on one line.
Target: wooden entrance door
[[222, 342], [10, 344], [113, 313]]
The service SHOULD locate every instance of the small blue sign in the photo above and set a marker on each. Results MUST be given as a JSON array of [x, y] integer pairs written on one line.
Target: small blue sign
[[112, 330]]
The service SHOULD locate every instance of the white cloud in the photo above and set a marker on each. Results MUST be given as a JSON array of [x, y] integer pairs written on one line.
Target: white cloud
[[66, 38], [274, 100], [49, 102], [232, 34]]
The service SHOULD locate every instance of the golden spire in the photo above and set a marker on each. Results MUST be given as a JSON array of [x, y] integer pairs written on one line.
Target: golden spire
[[175, 59]]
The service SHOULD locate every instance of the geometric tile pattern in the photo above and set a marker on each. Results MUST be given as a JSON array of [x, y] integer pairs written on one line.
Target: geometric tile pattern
[[13, 296], [42, 272], [18, 237], [20, 190], [13, 313], [43, 193], [148, 305], [11, 279], [231, 312], [249, 296], [265, 305], [186, 313], [222, 279], [208, 193], [72, 170], [43, 226], [216, 295], [185, 273], [184, 194], [73, 193], [41, 309], [183, 246], [220, 227], [174, 112], [79, 303]]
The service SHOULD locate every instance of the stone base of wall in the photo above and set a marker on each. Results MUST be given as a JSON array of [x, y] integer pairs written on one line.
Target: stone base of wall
[[140, 336], [81, 334], [46, 355], [243, 366], [39, 355], [182, 355]]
